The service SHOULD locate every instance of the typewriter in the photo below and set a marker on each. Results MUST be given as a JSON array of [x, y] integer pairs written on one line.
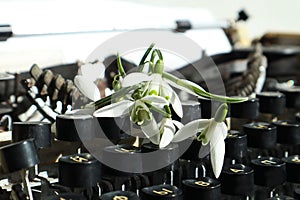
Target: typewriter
[[43, 156]]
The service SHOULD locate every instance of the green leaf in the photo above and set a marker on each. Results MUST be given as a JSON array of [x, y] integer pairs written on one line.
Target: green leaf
[[141, 64]]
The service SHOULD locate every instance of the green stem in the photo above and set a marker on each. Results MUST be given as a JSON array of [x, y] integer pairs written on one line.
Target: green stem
[[121, 93], [120, 66], [153, 55], [159, 54], [203, 93], [151, 68], [103, 102], [158, 110]]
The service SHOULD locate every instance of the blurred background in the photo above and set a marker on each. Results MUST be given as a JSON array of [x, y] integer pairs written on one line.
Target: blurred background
[[47, 18]]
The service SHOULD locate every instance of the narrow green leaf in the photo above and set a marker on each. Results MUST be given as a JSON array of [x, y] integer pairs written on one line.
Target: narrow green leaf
[[141, 64]]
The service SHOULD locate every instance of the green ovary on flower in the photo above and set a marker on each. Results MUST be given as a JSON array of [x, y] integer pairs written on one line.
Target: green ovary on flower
[[221, 113], [202, 136], [159, 67], [153, 92], [140, 113]]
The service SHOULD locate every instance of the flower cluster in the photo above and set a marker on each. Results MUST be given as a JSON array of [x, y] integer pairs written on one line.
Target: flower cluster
[[148, 92]]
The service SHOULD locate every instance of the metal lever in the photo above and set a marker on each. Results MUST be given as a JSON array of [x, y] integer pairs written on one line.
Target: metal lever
[[5, 32]]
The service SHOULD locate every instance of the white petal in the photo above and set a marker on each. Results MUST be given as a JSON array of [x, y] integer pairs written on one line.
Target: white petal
[[178, 124], [156, 99], [217, 149], [190, 129], [185, 89], [176, 105], [135, 131], [174, 99], [114, 110], [135, 78], [210, 132], [167, 137], [224, 129], [108, 92], [151, 129], [169, 124], [155, 83], [217, 153], [92, 71], [217, 135], [87, 87]]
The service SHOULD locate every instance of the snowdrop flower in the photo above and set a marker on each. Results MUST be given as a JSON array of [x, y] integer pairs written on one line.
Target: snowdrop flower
[[85, 81], [156, 85], [168, 128], [139, 111], [213, 132], [139, 93]]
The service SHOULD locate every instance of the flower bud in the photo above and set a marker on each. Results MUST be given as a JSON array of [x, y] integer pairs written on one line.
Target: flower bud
[[159, 67], [221, 113]]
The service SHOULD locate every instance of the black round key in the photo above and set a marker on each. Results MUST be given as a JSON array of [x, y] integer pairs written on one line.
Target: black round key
[[206, 108], [191, 111], [39, 131], [287, 132], [164, 192], [67, 196], [18, 156], [159, 162], [292, 97], [246, 110], [260, 135], [203, 188], [237, 179], [192, 152], [79, 170], [74, 127], [125, 156], [235, 145], [268, 171], [292, 168], [164, 158], [110, 128], [271, 102], [119, 195]]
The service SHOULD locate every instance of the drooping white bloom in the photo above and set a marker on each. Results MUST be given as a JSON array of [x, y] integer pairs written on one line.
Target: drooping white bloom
[[85, 81], [213, 132], [168, 129], [138, 110]]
